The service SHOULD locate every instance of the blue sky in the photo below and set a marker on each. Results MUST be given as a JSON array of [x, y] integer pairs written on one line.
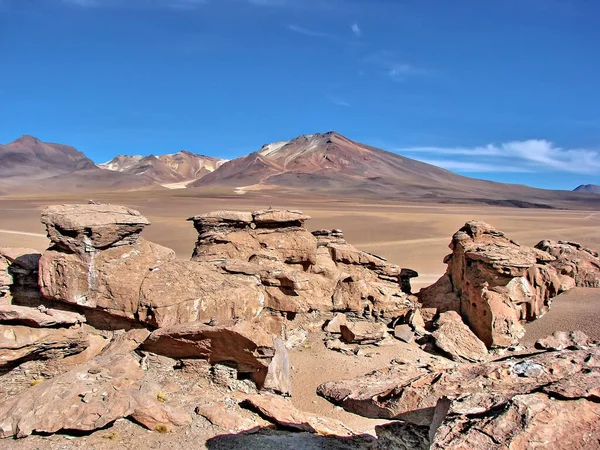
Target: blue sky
[[504, 90]]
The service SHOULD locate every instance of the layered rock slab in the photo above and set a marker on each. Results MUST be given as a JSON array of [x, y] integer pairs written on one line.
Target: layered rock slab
[[411, 394], [90, 396]]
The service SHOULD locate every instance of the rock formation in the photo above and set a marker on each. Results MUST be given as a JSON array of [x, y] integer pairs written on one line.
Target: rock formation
[[497, 284], [412, 393], [300, 271]]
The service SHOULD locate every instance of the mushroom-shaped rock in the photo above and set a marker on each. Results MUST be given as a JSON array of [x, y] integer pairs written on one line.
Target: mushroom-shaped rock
[[90, 227]]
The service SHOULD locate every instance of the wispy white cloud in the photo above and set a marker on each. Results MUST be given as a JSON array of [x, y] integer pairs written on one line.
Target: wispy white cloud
[[356, 29], [390, 65], [338, 101], [308, 32], [533, 155]]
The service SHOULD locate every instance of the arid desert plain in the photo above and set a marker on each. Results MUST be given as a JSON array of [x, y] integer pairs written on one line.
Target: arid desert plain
[[410, 235]]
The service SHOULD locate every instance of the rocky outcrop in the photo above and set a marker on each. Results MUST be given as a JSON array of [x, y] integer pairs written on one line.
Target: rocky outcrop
[[412, 393], [562, 340], [104, 265], [456, 340], [90, 396], [574, 261], [495, 284], [20, 343], [299, 271], [255, 353]]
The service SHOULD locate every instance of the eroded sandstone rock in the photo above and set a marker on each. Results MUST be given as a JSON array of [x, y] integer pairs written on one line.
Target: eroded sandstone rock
[[411, 393], [454, 338], [574, 261], [18, 273], [284, 413], [494, 283], [20, 343], [39, 317], [363, 332], [561, 340], [92, 227], [255, 352], [90, 396]]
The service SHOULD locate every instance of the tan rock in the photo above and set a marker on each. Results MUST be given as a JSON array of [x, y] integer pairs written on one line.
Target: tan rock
[[91, 227], [17, 266], [404, 333], [284, 413], [255, 352], [230, 418], [90, 396], [456, 339], [574, 261], [39, 317], [495, 284], [562, 340], [274, 216], [363, 332], [19, 344], [526, 421], [411, 394], [333, 326]]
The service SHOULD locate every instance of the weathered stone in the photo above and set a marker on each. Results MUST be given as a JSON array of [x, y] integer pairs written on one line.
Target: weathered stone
[[402, 436], [363, 332], [562, 340], [404, 333], [229, 418], [90, 396], [19, 344], [333, 326], [90, 227], [285, 414], [525, 421], [574, 261], [494, 283], [274, 216], [456, 339], [411, 394], [255, 352], [38, 317]]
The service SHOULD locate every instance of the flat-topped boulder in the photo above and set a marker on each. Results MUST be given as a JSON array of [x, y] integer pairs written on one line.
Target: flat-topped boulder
[[275, 216], [222, 218], [92, 227]]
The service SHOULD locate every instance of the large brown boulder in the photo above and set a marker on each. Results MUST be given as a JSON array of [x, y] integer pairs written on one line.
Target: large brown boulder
[[114, 271], [495, 284], [411, 394], [90, 396], [255, 352]]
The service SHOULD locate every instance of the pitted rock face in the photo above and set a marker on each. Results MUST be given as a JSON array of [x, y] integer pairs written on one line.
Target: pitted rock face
[[88, 228], [497, 284], [574, 261]]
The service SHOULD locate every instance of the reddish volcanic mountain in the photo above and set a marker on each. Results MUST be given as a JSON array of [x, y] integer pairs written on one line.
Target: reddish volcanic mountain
[[333, 163], [166, 169], [57, 167]]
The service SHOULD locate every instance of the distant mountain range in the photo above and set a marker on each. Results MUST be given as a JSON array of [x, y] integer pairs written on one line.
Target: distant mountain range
[[589, 188], [318, 164], [178, 168]]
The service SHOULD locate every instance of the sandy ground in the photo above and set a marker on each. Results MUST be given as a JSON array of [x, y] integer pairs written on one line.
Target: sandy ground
[[414, 236]]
